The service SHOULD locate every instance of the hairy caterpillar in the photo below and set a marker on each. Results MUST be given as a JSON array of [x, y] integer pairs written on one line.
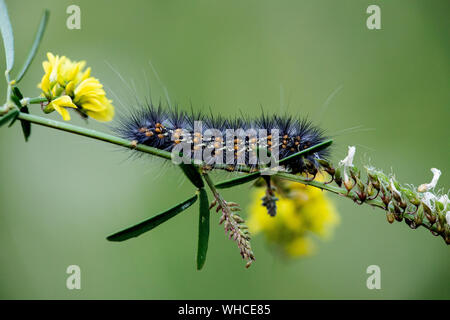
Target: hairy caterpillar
[[233, 142]]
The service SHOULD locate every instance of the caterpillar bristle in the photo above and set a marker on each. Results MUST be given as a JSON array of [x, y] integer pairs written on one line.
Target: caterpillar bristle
[[164, 128]]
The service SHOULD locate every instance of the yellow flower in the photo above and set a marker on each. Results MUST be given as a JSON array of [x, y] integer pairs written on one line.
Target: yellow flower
[[303, 213], [60, 104], [66, 85], [90, 95]]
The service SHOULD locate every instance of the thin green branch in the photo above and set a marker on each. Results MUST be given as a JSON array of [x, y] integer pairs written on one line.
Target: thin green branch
[[35, 46], [348, 194], [167, 155], [7, 35], [93, 134], [35, 100]]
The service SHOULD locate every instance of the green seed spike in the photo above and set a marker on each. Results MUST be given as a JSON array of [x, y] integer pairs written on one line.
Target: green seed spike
[[203, 229], [314, 148], [239, 180], [153, 222]]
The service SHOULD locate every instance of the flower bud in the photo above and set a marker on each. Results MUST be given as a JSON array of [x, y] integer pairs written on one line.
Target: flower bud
[[390, 217]]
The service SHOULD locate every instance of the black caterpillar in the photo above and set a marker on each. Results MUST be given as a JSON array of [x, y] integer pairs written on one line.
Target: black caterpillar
[[163, 128]]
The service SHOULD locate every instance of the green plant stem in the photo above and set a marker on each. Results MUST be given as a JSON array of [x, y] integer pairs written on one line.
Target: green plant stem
[[343, 192], [167, 155], [35, 45], [93, 134], [8, 103], [335, 189], [211, 185], [35, 100]]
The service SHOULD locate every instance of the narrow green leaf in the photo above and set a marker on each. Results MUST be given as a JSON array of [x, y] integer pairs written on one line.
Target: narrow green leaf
[[153, 222], [15, 97], [14, 119], [35, 46], [26, 125], [17, 93], [193, 175], [314, 148], [16, 101], [7, 35], [203, 229], [239, 180], [12, 115]]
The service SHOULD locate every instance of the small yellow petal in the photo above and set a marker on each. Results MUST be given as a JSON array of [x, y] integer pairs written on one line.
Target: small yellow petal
[[70, 87], [51, 57], [106, 115], [64, 101], [45, 83], [62, 111], [86, 74], [47, 66]]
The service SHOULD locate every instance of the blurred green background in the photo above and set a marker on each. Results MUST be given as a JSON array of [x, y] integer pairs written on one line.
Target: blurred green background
[[61, 195]]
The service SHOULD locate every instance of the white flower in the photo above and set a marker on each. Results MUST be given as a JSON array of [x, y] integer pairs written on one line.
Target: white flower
[[444, 200], [393, 188], [427, 186], [447, 216], [348, 161], [428, 198]]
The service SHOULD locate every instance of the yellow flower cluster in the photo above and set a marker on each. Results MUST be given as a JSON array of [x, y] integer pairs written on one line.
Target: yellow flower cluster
[[302, 212], [66, 85]]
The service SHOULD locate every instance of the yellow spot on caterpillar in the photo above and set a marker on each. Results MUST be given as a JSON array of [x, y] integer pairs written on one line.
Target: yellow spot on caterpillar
[[229, 168]]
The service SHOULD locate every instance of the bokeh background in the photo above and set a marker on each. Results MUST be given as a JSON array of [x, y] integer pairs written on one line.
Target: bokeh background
[[61, 195]]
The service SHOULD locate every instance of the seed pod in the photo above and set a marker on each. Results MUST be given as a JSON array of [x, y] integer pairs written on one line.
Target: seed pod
[[390, 217], [429, 214], [370, 189], [419, 216], [355, 173], [411, 223]]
